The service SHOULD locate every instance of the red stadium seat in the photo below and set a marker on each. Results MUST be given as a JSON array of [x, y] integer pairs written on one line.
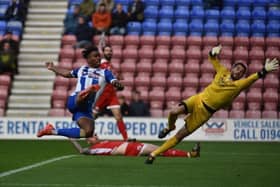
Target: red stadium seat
[[2, 112], [179, 40], [240, 53], [156, 113], [176, 66], [174, 80], [188, 92], [237, 114], [221, 114], [207, 67], [65, 65], [272, 42], [255, 67], [272, 52], [144, 65], [130, 52], [79, 53], [178, 53], [254, 95], [162, 52], [146, 52], [254, 105], [270, 105], [173, 94], [226, 53], [67, 53], [236, 105], [191, 80], [205, 51], [117, 52], [59, 94], [148, 40], [142, 81], [61, 81], [116, 40], [132, 40], [171, 104], [156, 105], [192, 66], [58, 103], [160, 65], [226, 41], [226, 63], [56, 112], [128, 79], [116, 65], [269, 114], [241, 97], [5, 80], [126, 93], [69, 40], [255, 114], [194, 40], [96, 39], [270, 95], [210, 41], [2, 103], [205, 79], [129, 65], [241, 41], [257, 42], [156, 94], [271, 81], [158, 81], [256, 53], [163, 40], [194, 53]]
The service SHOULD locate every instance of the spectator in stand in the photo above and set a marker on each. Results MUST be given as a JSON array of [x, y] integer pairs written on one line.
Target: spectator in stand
[[7, 59], [136, 11], [83, 33], [71, 21], [109, 4], [87, 8], [13, 43], [101, 20], [16, 11], [119, 21], [137, 107], [124, 106]]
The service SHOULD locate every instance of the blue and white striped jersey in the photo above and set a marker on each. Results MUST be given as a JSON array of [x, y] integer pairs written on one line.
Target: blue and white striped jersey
[[87, 76]]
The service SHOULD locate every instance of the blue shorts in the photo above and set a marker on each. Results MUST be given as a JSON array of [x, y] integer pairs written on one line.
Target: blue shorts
[[79, 111]]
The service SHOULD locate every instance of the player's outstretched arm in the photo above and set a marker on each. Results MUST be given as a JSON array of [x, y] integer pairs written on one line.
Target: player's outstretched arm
[[269, 66], [118, 85], [213, 57], [58, 70]]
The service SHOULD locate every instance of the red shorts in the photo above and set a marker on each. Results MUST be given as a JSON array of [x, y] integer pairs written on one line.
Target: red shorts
[[107, 99], [133, 148]]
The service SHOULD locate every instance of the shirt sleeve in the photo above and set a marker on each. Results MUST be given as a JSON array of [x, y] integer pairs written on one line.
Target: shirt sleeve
[[216, 63], [109, 77], [74, 72]]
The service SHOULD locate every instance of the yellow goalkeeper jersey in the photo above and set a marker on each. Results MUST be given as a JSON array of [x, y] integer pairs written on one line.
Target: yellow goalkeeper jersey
[[223, 90]]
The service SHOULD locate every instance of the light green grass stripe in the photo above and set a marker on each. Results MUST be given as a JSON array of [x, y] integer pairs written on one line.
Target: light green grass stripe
[[7, 173], [83, 185]]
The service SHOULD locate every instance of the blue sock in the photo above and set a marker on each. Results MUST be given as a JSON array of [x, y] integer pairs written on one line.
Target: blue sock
[[71, 133]]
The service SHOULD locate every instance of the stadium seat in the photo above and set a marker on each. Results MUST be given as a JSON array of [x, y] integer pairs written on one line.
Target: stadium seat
[[126, 93], [241, 41], [205, 51], [212, 14], [196, 27], [116, 40], [15, 26], [148, 40], [270, 95], [194, 41], [156, 105], [221, 114], [173, 94], [258, 28], [205, 79], [67, 53], [160, 65], [258, 84], [69, 40], [241, 97], [59, 94], [176, 65], [211, 28], [254, 105], [180, 28], [118, 51], [273, 14], [163, 40], [191, 80], [259, 13], [255, 66], [226, 53], [228, 13], [197, 12], [142, 80], [188, 92], [207, 67], [165, 28], [4, 94], [239, 114], [58, 103], [144, 65], [253, 114], [257, 42], [128, 80], [156, 113], [210, 40], [227, 28], [5, 80], [151, 12], [236, 105], [242, 28], [174, 80], [182, 12], [226, 41], [3, 103], [240, 53], [243, 13], [133, 28], [179, 40], [152, 3], [56, 112], [65, 65], [256, 53], [162, 52], [128, 65], [156, 95], [273, 28], [270, 114], [272, 52], [130, 52], [132, 40], [146, 52], [166, 12], [270, 105], [254, 95], [178, 53], [192, 66], [194, 53]]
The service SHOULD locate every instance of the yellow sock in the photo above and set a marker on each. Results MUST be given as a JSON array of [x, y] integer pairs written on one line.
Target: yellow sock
[[171, 121], [167, 145]]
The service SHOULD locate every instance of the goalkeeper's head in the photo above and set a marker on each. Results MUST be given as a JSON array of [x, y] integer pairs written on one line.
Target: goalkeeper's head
[[238, 70]]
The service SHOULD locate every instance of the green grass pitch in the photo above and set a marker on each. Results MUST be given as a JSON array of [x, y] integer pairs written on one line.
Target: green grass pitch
[[221, 164]]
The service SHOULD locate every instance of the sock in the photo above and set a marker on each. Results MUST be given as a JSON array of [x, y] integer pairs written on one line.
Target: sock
[[167, 145], [71, 133], [171, 121], [122, 129], [176, 153]]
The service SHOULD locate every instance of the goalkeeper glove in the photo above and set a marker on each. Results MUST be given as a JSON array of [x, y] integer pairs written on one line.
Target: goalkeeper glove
[[270, 65], [215, 51]]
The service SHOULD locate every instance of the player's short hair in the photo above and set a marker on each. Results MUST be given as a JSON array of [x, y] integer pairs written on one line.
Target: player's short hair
[[242, 64], [88, 50], [107, 45]]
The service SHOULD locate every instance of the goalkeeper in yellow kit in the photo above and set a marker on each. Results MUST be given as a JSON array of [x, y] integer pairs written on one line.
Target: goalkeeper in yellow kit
[[225, 87]]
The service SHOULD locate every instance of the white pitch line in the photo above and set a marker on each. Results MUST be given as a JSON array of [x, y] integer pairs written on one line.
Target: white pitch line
[[34, 165]]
